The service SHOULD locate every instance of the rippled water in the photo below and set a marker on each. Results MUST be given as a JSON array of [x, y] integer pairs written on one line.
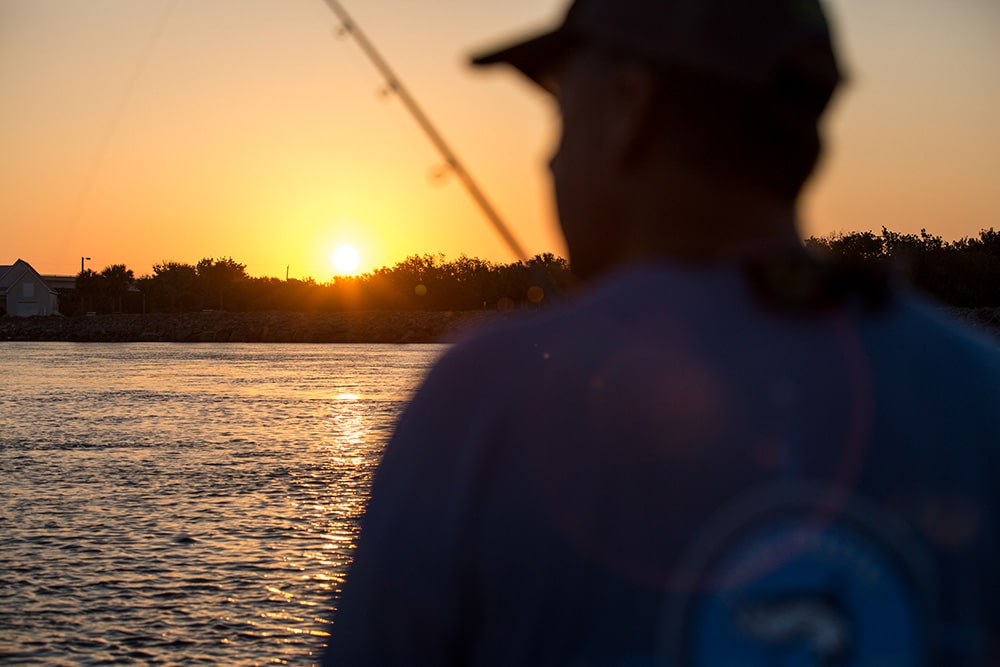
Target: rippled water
[[185, 504]]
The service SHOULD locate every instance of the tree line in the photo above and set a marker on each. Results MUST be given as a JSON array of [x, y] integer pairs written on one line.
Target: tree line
[[963, 273], [419, 282]]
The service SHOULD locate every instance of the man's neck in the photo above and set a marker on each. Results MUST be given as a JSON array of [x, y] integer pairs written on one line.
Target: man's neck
[[729, 225]]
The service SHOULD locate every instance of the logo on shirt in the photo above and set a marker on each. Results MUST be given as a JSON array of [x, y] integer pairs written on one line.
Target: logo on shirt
[[797, 576]]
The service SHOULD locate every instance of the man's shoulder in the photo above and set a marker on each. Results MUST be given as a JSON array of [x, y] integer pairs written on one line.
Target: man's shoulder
[[630, 292], [579, 315], [651, 301], [942, 332], [920, 353]]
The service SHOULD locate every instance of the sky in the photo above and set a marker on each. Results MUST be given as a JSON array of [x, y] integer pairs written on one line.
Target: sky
[[144, 131]]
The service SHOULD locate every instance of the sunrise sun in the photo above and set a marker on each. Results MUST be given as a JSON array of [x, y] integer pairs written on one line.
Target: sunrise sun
[[345, 260]]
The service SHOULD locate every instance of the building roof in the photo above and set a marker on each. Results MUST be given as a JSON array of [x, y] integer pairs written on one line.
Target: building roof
[[10, 275], [60, 282], [6, 276]]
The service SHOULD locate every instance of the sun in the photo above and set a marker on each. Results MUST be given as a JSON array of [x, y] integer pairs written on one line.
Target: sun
[[345, 260]]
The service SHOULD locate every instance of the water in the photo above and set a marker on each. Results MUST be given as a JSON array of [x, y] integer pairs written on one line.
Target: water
[[185, 504]]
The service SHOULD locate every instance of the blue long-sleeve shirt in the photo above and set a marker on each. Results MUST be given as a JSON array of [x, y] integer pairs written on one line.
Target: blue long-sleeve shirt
[[666, 472]]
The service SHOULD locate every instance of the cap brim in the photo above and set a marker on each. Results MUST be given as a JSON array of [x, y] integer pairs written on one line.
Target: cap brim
[[534, 57]]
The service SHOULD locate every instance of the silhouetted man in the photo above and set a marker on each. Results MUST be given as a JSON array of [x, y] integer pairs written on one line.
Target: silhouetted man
[[723, 452]]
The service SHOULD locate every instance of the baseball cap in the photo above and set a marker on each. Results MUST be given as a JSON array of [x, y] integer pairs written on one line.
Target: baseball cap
[[751, 44]]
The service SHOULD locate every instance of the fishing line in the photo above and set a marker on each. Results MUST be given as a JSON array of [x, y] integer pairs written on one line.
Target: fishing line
[[395, 86], [115, 121]]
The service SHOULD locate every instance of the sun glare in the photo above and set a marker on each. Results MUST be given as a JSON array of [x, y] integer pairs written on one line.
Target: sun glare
[[345, 260]]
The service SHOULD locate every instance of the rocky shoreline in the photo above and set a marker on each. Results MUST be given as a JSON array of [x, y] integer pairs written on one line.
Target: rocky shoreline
[[270, 327], [283, 327]]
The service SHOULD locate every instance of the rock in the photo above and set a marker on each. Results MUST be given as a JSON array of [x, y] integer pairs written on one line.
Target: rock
[[277, 327]]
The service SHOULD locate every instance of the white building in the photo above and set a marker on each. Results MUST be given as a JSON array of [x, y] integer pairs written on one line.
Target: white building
[[24, 293]]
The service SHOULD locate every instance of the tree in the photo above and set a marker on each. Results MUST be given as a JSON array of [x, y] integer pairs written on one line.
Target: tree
[[117, 279], [172, 287], [89, 287], [220, 277]]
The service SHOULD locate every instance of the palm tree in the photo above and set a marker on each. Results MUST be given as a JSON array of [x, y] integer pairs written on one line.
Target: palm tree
[[89, 286], [117, 281]]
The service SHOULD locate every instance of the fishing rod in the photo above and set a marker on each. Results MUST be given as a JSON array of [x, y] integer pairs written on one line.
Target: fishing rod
[[396, 86]]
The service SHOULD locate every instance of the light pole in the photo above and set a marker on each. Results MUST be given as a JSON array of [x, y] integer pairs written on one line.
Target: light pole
[[81, 262]]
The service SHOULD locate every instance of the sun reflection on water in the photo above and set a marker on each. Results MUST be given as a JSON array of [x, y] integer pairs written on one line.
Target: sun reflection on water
[[222, 485]]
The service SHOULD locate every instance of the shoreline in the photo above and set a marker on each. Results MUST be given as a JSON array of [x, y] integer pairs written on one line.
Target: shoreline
[[259, 327], [290, 327]]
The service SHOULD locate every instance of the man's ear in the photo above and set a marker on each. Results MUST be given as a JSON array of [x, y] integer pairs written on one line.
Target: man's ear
[[630, 132]]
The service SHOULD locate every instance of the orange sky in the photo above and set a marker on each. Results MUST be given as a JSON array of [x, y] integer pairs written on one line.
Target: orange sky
[[138, 131]]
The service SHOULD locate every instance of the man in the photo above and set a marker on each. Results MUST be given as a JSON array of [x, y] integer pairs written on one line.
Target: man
[[723, 452]]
